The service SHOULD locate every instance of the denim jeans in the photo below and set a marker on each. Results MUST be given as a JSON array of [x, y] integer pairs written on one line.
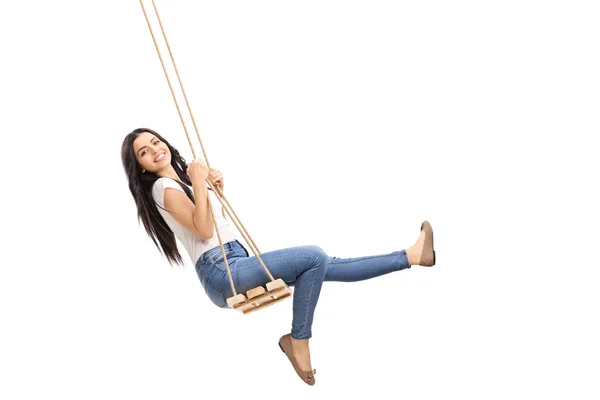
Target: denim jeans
[[303, 267]]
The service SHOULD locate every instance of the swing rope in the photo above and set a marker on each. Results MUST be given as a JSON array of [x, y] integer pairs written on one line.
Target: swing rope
[[216, 188]]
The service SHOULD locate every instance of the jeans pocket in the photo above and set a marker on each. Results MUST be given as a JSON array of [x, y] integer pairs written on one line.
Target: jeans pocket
[[219, 262], [216, 256]]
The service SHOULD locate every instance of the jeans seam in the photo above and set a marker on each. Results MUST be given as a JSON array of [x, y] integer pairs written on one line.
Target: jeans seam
[[307, 305], [208, 282], [214, 262], [214, 258], [351, 260], [309, 298]]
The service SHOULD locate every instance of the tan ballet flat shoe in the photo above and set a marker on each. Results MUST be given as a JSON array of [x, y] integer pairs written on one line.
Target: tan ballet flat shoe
[[428, 255], [285, 344]]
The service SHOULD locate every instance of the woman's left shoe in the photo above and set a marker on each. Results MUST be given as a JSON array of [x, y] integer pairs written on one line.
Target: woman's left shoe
[[428, 255], [285, 344]]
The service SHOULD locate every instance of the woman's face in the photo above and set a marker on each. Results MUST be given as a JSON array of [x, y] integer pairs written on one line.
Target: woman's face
[[152, 154]]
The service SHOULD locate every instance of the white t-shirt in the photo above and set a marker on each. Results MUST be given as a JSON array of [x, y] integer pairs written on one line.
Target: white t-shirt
[[192, 243]]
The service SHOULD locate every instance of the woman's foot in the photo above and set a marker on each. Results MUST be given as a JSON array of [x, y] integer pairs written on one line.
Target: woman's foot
[[298, 353], [302, 353], [422, 252]]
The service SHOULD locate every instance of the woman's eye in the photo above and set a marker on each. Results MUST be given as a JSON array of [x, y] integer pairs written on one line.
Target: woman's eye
[[144, 152]]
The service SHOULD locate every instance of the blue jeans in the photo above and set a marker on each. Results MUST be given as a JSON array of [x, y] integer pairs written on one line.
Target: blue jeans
[[304, 267]]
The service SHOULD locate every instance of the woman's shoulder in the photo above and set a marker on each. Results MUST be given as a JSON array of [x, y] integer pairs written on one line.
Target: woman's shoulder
[[160, 183], [164, 182]]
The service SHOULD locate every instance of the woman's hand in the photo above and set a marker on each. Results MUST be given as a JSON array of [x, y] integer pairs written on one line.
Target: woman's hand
[[216, 178], [198, 171]]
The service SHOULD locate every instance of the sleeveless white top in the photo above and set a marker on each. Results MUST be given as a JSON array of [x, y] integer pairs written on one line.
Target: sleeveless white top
[[194, 246]]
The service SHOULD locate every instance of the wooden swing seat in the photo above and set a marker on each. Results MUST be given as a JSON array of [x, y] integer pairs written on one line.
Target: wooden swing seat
[[259, 298]]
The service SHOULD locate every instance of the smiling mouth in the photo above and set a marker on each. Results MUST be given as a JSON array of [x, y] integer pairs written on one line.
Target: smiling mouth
[[161, 157]]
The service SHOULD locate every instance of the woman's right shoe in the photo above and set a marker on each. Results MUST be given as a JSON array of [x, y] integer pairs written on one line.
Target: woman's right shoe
[[428, 254], [285, 344]]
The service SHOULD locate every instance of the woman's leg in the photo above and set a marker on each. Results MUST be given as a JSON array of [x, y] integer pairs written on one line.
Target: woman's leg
[[362, 268], [306, 268], [303, 267]]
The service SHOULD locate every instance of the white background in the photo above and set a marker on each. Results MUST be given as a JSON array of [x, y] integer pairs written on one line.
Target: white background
[[342, 124]]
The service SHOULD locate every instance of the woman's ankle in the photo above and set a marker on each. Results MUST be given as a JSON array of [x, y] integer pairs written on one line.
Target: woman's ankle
[[299, 341], [414, 255]]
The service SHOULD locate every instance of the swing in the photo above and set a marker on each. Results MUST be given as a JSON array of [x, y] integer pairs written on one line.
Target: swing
[[256, 298]]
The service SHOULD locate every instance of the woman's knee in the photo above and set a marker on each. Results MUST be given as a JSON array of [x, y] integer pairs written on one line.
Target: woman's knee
[[317, 254]]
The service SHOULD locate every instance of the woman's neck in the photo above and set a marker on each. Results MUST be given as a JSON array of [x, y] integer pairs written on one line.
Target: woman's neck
[[169, 172]]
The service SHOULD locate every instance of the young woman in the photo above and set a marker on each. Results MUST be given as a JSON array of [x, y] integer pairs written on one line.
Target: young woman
[[165, 189]]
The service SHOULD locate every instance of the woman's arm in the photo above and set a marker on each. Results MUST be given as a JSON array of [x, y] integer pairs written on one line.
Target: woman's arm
[[195, 218]]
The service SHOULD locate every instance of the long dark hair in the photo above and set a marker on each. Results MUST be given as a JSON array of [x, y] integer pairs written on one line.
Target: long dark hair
[[140, 185]]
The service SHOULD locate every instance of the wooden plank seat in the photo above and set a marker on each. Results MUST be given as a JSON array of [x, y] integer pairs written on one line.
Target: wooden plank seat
[[259, 298]]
